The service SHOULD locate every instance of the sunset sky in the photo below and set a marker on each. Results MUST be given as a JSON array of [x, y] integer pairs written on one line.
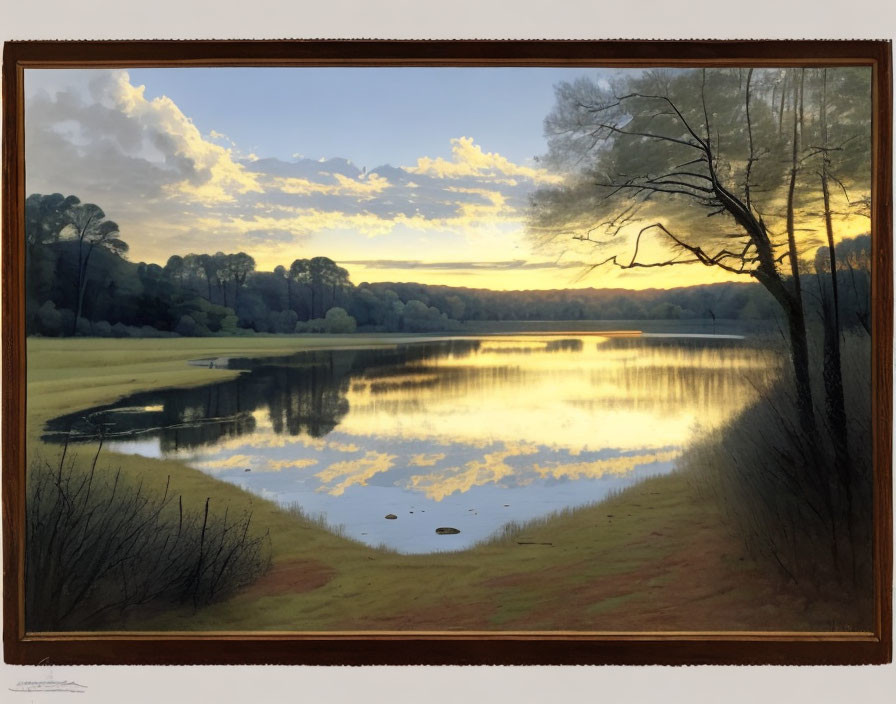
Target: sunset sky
[[398, 174]]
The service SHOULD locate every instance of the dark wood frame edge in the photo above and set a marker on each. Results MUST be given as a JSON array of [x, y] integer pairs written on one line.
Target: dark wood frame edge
[[439, 648]]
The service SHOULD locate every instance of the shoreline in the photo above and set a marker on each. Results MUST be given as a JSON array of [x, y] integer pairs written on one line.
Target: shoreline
[[655, 532]]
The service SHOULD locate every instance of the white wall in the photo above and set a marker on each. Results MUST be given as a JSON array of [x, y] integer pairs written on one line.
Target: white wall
[[581, 19]]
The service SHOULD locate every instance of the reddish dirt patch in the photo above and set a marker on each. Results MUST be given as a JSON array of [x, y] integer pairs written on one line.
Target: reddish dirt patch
[[707, 584], [292, 577], [446, 616]]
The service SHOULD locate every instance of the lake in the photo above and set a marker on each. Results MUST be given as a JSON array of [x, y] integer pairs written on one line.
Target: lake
[[467, 433]]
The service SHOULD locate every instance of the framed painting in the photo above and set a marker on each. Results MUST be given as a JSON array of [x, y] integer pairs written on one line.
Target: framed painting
[[425, 352]]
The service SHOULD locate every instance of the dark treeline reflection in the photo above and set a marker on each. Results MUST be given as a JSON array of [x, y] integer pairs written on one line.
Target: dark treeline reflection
[[662, 375], [310, 393], [305, 393], [564, 346]]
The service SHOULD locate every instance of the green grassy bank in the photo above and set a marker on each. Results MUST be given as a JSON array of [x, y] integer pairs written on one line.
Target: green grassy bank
[[656, 557]]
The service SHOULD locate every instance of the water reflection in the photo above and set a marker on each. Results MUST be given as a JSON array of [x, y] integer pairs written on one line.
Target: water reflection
[[305, 393], [465, 432]]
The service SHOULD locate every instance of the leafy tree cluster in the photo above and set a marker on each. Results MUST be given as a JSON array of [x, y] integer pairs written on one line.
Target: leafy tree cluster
[[79, 282], [727, 300]]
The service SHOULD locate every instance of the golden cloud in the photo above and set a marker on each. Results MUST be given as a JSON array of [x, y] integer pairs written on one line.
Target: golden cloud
[[222, 179], [604, 467], [468, 159], [228, 463], [343, 446], [364, 187], [356, 471], [277, 465], [479, 219], [490, 469], [424, 460]]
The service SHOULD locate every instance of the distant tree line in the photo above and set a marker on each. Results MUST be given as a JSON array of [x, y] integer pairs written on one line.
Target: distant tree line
[[80, 283]]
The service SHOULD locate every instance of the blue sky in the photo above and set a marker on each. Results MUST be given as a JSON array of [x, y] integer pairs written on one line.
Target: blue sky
[[370, 116], [405, 174]]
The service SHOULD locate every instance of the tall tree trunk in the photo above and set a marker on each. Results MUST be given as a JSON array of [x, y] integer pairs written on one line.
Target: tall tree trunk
[[781, 106], [81, 273], [82, 286], [796, 317], [752, 156], [799, 350], [833, 376], [835, 405], [789, 298], [826, 194], [78, 287]]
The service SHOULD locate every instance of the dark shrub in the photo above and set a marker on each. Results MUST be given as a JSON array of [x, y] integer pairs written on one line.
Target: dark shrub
[[49, 319], [120, 330], [67, 320], [99, 546], [101, 328], [186, 326], [83, 327]]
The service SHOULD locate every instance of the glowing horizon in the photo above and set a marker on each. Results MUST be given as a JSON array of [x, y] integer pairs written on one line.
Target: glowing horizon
[[414, 186]]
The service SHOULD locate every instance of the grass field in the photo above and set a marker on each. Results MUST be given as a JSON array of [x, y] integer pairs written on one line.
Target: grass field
[[656, 557]]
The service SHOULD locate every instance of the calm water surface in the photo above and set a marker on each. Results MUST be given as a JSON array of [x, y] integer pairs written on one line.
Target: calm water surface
[[464, 433]]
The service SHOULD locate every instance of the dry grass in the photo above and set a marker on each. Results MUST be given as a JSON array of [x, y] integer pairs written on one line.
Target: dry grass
[[780, 490], [100, 547]]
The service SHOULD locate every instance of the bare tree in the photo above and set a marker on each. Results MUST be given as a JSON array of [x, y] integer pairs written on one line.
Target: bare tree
[[835, 405], [687, 167]]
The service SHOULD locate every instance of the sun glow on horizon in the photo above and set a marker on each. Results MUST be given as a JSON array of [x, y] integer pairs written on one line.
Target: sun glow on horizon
[[455, 214]]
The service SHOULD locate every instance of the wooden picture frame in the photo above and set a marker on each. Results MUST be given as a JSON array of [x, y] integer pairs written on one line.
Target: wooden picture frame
[[428, 647]]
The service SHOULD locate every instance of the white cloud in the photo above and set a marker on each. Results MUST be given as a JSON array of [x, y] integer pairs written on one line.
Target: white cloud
[[173, 190], [120, 143]]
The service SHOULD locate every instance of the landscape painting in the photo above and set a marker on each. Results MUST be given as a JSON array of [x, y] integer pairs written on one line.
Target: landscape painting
[[448, 349]]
